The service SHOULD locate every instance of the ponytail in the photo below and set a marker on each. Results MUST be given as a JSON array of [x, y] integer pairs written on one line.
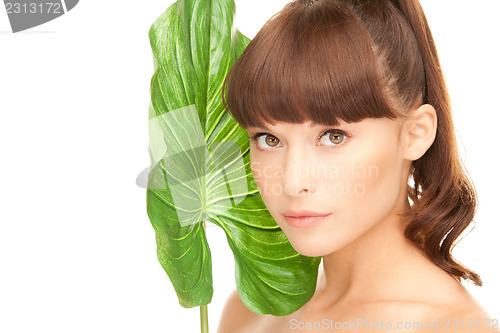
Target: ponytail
[[444, 198]]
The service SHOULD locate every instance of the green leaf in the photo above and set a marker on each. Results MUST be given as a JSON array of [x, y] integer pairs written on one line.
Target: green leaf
[[200, 168]]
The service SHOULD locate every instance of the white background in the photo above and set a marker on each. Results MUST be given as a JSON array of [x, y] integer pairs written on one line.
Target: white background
[[77, 251]]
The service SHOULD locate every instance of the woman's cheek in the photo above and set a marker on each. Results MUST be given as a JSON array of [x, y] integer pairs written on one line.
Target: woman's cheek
[[265, 179], [256, 170], [381, 185]]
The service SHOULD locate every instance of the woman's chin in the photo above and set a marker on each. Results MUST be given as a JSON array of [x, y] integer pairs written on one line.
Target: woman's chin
[[310, 249]]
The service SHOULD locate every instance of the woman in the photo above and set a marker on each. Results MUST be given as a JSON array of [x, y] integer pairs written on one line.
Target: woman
[[354, 154]]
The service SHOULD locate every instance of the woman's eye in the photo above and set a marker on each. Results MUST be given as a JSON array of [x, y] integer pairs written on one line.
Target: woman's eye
[[265, 139], [332, 137]]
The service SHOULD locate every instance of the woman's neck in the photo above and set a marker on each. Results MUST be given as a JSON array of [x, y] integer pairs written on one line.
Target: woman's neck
[[378, 266]]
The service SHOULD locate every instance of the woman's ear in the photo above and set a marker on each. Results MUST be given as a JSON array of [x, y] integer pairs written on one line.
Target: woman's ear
[[419, 132]]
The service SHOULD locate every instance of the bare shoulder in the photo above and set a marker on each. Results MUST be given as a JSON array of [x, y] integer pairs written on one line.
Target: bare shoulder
[[236, 317], [455, 309], [468, 318], [465, 317], [460, 315]]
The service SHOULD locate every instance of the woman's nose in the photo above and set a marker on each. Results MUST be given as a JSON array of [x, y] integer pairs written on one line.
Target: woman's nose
[[298, 176]]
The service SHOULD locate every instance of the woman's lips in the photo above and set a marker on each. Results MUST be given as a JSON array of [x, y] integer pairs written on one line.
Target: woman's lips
[[304, 221], [303, 213]]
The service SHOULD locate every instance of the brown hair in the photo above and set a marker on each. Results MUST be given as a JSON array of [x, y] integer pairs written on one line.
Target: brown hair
[[325, 60]]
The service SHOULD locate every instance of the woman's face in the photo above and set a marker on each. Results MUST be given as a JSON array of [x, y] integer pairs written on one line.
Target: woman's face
[[354, 172]]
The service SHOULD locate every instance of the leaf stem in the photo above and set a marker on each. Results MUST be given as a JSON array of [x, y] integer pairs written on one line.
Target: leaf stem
[[204, 308], [204, 318]]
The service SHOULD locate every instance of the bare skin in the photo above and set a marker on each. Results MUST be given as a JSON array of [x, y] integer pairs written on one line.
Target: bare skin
[[407, 288], [370, 272]]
